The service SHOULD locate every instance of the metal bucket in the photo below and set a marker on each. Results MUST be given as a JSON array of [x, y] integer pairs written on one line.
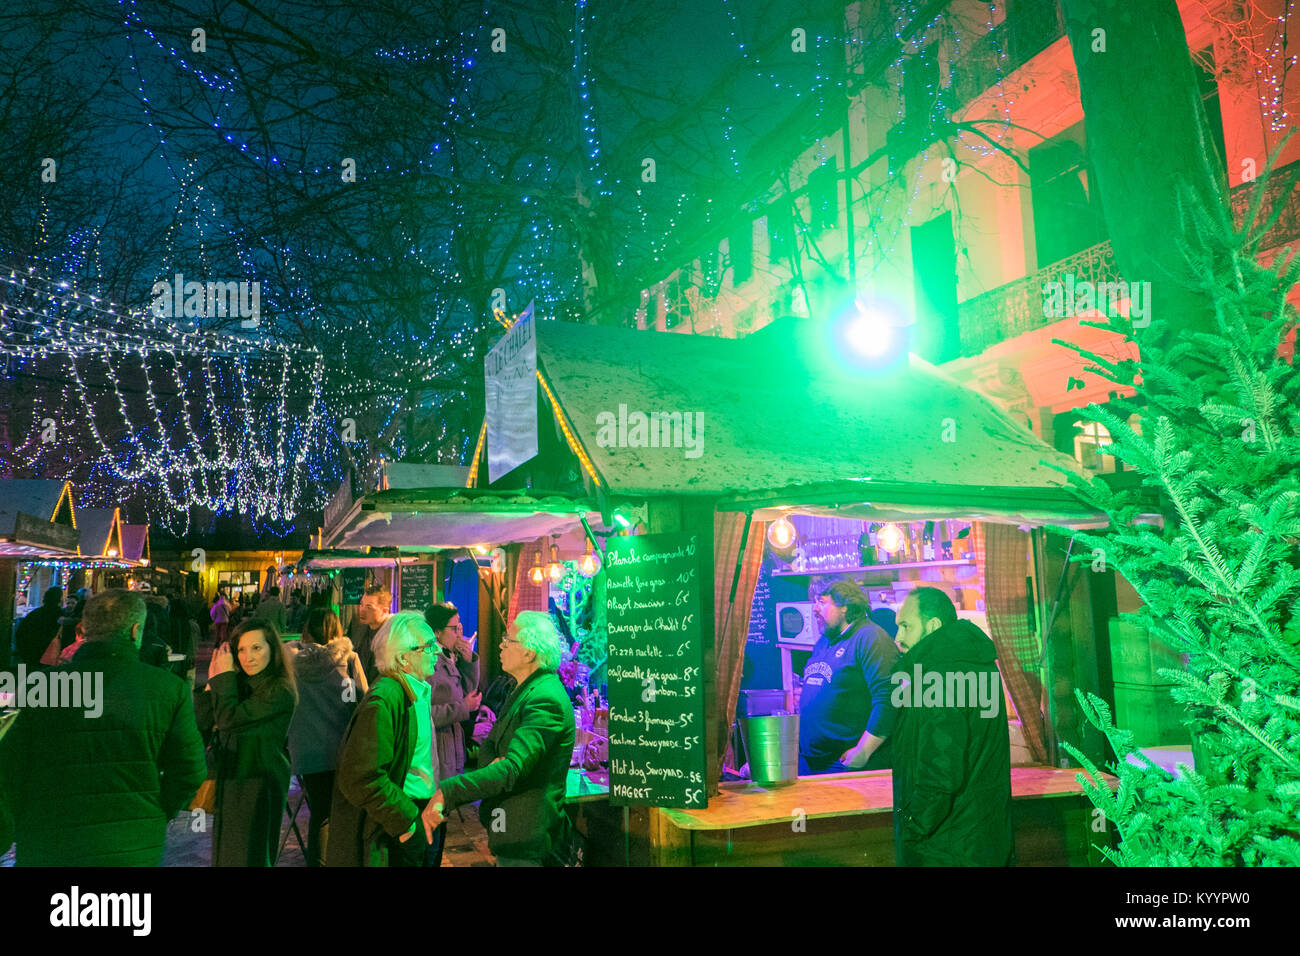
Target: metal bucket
[[773, 746]]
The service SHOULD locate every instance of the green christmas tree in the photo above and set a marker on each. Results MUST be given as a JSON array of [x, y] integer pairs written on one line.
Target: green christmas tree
[[1218, 447]]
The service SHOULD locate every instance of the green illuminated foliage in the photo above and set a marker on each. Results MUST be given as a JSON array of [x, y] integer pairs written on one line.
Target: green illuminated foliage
[[1218, 453]]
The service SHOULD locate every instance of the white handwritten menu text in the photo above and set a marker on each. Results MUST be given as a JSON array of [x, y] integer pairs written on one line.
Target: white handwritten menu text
[[656, 688]]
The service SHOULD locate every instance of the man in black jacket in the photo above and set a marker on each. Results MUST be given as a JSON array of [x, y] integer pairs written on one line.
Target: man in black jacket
[[95, 785], [952, 746], [39, 628]]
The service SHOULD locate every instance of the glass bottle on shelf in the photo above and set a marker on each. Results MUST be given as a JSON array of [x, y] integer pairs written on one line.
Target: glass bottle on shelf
[[867, 545]]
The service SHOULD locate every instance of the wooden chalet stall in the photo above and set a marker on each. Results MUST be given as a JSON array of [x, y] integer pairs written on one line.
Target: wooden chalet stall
[[37, 529], [782, 427], [459, 522], [344, 573], [749, 431]]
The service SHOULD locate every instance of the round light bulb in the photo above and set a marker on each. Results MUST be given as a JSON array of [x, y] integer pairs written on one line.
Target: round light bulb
[[890, 537], [781, 533]]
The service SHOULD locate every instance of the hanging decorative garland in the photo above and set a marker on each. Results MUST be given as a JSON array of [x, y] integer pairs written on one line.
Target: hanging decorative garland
[[242, 430]]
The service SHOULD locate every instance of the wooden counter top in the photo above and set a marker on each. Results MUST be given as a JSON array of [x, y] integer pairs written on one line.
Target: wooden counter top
[[842, 794]]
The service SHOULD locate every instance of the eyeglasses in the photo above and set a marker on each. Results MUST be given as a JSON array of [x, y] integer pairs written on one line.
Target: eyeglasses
[[421, 648], [454, 627]]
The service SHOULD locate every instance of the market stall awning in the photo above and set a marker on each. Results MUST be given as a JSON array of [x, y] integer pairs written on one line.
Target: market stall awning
[[26, 536], [778, 424], [439, 519], [37, 519], [329, 558]]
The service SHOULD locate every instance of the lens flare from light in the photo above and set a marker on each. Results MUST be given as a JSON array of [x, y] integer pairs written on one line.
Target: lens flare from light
[[870, 334]]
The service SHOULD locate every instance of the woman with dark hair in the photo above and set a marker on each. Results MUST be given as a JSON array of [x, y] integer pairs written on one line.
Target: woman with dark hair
[[249, 699], [456, 699], [330, 682]]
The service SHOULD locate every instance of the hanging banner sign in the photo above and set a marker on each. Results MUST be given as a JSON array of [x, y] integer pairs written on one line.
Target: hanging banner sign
[[510, 373]]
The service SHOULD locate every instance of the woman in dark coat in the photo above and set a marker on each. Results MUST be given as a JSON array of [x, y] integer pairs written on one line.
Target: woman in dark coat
[[456, 698], [330, 682], [250, 699]]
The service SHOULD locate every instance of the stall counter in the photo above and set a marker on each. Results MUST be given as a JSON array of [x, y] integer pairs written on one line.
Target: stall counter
[[847, 819]]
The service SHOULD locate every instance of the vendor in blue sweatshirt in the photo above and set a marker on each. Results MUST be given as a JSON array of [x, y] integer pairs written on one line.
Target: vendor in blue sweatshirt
[[845, 713]]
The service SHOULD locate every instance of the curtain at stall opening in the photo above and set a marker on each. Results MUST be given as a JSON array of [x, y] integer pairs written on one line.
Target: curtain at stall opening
[[526, 595], [731, 624], [1004, 559]]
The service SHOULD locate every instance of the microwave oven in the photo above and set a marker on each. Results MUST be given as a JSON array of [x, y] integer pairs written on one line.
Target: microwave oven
[[796, 623]]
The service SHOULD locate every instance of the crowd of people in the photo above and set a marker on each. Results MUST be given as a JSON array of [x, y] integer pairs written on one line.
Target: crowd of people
[[52, 634], [377, 727], [376, 732]]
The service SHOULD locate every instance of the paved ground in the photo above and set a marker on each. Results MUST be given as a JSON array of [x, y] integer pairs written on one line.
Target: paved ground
[[186, 846], [189, 844]]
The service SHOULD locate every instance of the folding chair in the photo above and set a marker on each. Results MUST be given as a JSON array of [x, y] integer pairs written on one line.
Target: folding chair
[[293, 821]]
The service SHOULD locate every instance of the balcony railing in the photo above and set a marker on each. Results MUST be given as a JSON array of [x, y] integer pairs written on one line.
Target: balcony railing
[[1017, 307], [1276, 193]]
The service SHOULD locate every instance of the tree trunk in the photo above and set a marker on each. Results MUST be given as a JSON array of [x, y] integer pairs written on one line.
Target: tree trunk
[[1146, 143]]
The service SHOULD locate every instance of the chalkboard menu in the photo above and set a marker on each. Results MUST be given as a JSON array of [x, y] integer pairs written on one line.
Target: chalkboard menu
[[656, 658], [762, 625], [417, 587], [354, 585]]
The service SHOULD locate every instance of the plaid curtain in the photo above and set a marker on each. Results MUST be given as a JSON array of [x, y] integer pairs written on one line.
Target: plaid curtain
[[1001, 550], [731, 627], [526, 595]]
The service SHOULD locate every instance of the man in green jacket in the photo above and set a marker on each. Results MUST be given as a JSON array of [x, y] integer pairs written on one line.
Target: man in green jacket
[[525, 759], [95, 784]]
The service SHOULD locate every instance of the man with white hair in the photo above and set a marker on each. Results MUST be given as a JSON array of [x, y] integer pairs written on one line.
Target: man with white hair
[[525, 759], [388, 764]]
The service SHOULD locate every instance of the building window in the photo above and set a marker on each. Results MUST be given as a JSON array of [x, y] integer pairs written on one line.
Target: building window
[[1208, 84], [709, 270], [780, 233], [239, 582], [1090, 437], [824, 197], [740, 249], [921, 94], [1063, 190]]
